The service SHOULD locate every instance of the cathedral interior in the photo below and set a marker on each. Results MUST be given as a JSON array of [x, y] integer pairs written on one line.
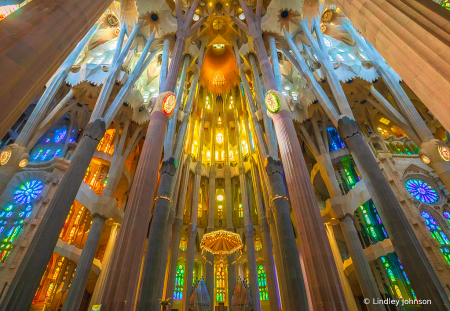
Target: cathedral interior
[[212, 155]]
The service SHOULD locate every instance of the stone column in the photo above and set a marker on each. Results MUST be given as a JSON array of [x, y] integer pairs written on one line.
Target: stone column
[[359, 259], [176, 232], [268, 126], [78, 285], [164, 64], [267, 243], [192, 228], [363, 272], [100, 285], [30, 60], [275, 64], [340, 267], [212, 197], [278, 201], [323, 278], [122, 282], [249, 235], [24, 285], [170, 137], [420, 272]]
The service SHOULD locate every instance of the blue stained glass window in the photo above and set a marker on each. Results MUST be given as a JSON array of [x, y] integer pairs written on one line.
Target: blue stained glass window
[[60, 134], [421, 191], [28, 191], [335, 140]]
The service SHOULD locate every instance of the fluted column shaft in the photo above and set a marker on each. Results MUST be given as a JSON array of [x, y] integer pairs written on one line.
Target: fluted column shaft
[[359, 259], [122, 282], [164, 64], [419, 270], [323, 279], [78, 285], [176, 232], [212, 197], [249, 235], [267, 243], [24, 285], [288, 254], [192, 229], [100, 284], [268, 126], [275, 63]]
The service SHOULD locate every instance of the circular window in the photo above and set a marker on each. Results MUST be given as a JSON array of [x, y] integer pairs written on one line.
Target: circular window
[[284, 14], [422, 191], [28, 191]]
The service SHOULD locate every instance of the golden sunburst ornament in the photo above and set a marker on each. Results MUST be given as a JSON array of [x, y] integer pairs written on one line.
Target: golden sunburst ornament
[[327, 16], [169, 104], [218, 24], [5, 156], [445, 153], [272, 102]]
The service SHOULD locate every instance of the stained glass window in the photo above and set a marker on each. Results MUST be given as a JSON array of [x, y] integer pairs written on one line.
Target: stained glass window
[[447, 216], [262, 282], [183, 243], [258, 244], [435, 229], [335, 140], [446, 252], [241, 211], [28, 191], [60, 134], [220, 283], [179, 281], [422, 191]]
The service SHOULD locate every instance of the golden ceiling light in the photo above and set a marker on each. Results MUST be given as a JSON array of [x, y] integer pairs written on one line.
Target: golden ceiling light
[[385, 121], [219, 138], [23, 163], [221, 243], [218, 24], [219, 79], [5, 156], [220, 198], [327, 16]]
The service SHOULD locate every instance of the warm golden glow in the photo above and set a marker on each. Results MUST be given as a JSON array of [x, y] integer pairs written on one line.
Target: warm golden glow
[[219, 138], [23, 163], [5, 156], [385, 121], [220, 198], [219, 79]]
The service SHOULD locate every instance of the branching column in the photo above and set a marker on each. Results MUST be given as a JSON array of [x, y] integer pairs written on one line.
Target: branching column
[[248, 227], [420, 272], [192, 228], [323, 279], [278, 199], [25, 283], [212, 198]]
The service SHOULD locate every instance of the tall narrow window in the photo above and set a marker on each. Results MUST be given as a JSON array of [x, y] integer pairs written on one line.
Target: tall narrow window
[[241, 211], [262, 282], [179, 281], [220, 283], [435, 229]]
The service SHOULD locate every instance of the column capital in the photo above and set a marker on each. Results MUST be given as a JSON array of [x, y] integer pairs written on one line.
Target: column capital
[[249, 231], [348, 127]]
